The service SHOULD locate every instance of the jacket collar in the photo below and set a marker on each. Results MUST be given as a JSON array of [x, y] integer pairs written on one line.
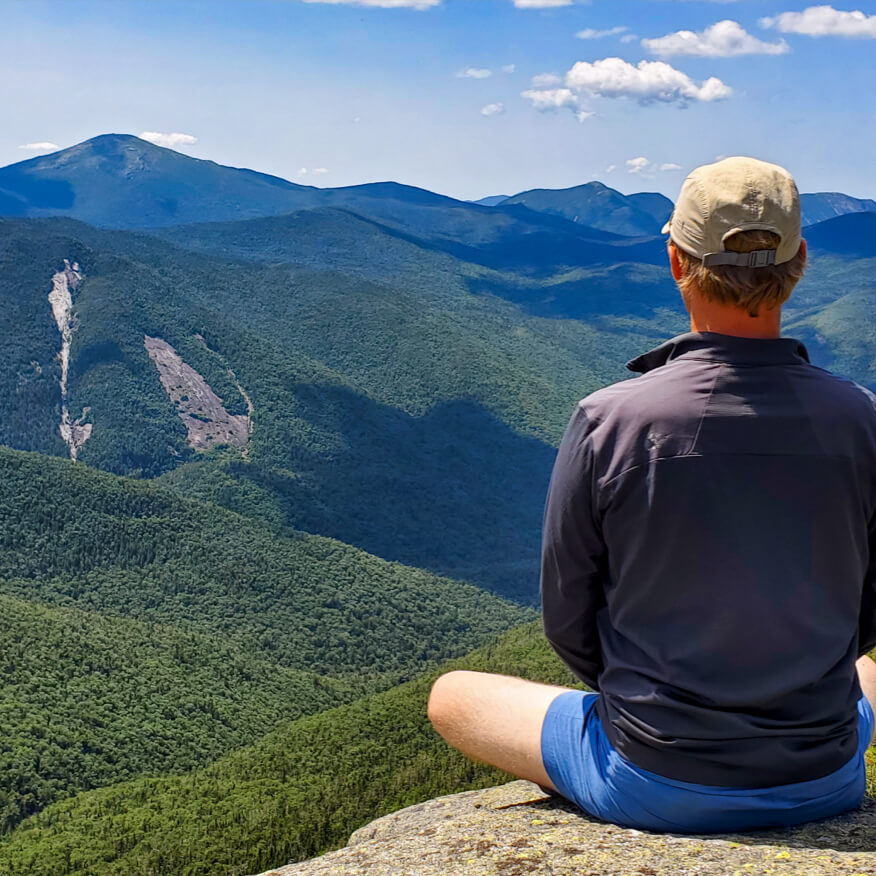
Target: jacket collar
[[723, 348]]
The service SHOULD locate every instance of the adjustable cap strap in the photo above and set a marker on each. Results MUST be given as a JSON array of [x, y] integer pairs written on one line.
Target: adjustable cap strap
[[760, 258]]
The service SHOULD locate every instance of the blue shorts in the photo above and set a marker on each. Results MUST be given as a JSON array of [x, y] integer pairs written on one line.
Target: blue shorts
[[585, 768]]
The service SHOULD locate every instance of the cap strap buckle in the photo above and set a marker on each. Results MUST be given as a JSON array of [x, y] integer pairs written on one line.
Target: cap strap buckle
[[760, 258]]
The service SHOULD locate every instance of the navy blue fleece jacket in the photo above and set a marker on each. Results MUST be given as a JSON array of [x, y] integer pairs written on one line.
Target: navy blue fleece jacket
[[709, 559]]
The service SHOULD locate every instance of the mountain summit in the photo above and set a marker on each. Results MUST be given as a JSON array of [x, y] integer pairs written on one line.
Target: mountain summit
[[121, 181], [596, 205]]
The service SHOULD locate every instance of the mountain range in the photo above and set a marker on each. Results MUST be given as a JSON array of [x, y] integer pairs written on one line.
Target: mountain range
[[122, 181], [313, 430]]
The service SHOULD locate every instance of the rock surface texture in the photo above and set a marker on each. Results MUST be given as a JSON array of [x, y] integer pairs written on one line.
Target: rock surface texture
[[516, 830]]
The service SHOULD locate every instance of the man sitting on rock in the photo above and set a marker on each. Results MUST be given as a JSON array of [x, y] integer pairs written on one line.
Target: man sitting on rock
[[709, 558]]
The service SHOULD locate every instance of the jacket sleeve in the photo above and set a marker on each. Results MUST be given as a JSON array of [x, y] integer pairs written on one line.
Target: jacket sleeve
[[573, 560], [867, 618]]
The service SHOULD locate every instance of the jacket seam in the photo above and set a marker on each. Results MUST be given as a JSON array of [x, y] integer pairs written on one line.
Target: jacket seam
[[715, 455], [696, 436]]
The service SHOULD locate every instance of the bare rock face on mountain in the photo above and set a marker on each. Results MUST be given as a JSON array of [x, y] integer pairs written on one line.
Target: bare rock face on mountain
[[516, 830]]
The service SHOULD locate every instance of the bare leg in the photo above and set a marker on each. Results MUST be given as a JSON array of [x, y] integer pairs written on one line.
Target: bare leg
[[867, 677], [496, 719]]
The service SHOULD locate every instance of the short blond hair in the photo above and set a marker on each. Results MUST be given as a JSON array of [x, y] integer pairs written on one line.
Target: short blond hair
[[749, 289]]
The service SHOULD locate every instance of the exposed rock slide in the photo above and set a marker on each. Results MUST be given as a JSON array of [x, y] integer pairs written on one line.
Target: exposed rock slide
[[74, 432], [202, 411], [516, 830]]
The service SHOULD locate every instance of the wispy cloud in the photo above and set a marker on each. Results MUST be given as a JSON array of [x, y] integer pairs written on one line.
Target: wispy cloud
[[509, 68], [546, 80], [493, 109], [171, 141], [544, 99], [819, 21], [647, 82], [474, 73], [637, 165], [319, 171], [722, 40], [541, 4], [590, 34], [644, 167], [42, 146], [552, 99], [383, 4]]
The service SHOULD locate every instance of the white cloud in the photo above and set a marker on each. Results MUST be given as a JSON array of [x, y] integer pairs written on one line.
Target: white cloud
[[541, 4], [611, 168], [544, 99], [824, 21], [550, 99], [648, 82], [474, 73], [629, 38], [493, 109], [319, 171], [546, 80], [171, 141], [509, 68], [722, 40], [302, 171], [637, 165], [643, 167], [384, 4], [590, 34], [42, 146]]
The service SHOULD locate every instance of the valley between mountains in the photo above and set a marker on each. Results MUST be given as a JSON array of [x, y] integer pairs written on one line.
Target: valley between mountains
[[271, 455]]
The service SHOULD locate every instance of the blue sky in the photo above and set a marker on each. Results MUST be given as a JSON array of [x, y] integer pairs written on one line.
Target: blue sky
[[445, 96]]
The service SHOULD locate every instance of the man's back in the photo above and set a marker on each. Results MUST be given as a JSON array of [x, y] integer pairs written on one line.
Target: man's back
[[732, 487], [708, 558]]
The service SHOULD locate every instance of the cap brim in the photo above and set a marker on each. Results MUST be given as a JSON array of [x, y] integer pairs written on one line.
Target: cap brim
[[666, 227]]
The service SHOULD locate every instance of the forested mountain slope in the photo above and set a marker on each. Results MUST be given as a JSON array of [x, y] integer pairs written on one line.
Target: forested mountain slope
[[299, 791], [391, 381], [146, 633], [304, 788], [91, 700], [72, 536], [599, 206]]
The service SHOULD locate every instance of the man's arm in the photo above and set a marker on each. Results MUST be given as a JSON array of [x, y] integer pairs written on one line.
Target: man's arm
[[867, 618], [573, 557]]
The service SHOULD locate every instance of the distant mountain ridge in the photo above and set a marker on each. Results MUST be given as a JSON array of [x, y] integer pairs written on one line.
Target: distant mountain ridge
[[821, 206], [596, 205], [121, 181], [852, 234]]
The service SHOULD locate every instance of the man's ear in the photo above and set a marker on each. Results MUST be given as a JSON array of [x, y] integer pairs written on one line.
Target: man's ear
[[803, 249], [674, 261]]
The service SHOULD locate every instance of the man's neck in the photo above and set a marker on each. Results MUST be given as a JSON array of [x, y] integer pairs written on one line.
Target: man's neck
[[707, 316]]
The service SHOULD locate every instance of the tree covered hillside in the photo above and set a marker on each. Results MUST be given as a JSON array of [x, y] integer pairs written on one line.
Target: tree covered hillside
[[148, 634], [70, 536], [397, 411], [298, 792], [90, 699]]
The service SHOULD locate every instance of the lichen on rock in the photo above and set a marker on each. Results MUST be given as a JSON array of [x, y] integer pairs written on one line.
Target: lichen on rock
[[517, 830]]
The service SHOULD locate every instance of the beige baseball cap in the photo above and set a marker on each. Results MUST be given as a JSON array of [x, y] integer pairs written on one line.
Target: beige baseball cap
[[736, 194]]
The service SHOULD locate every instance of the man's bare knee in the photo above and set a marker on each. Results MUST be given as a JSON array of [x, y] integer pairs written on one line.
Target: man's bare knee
[[446, 700]]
